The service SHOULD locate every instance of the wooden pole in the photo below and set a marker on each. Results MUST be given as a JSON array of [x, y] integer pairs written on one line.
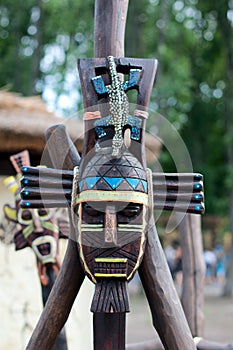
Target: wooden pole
[[61, 341], [193, 266], [109, 30], [167, 313], [109, 33], [107, 331]]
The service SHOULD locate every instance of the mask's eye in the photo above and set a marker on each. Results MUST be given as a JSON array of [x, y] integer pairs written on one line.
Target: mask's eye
[[24, 217], [90, 210], [131, 210], [44, 214]]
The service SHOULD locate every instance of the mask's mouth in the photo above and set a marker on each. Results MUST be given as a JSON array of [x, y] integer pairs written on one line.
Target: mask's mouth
[[45, 248]]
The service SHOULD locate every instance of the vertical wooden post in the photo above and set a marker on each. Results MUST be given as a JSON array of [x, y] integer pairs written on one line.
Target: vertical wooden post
[[109, 33], [109, 28], [193, 272], [107, 331], [167, 314]]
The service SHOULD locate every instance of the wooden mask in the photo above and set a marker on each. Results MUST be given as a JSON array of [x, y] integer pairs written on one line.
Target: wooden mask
[[111, 191], [38, 228]]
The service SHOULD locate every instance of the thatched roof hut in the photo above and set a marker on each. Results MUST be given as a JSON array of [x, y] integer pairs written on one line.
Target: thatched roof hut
[[24, 121]]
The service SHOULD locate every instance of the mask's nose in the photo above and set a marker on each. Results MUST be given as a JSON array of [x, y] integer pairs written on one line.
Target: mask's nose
[[110, 225], [37, 224]]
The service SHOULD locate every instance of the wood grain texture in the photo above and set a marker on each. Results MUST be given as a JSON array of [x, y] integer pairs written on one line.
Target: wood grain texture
[[61, 149], [110, 20], [109, 331], [193, 265], [110, 296], [167, 313]]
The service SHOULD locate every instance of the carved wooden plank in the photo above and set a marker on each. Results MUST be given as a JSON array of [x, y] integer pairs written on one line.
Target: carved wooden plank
[[89, 68]]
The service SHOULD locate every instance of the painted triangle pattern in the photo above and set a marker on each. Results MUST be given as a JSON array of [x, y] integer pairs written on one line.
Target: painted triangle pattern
[[92, 181], [114, 182], [144, 184], [107, 173], [132, 182]]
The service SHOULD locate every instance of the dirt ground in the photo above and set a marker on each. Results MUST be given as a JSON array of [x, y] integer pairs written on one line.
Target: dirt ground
[[218, 317]]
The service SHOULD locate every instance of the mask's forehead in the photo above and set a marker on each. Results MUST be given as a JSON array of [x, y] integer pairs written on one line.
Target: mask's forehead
[[108, 179]]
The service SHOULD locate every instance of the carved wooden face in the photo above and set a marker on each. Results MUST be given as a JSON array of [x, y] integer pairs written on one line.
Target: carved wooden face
[[112, 216], [39, 230], [117, 223], [111, 232]]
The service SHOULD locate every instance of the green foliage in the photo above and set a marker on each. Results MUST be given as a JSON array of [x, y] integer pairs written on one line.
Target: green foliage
[[41, 41]]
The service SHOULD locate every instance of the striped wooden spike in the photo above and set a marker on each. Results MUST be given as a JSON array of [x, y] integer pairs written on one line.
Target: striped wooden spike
[[48, 203], [45, 187]]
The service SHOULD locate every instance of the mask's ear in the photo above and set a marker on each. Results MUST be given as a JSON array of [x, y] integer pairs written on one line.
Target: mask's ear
[[10, 213], [20, 241]]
